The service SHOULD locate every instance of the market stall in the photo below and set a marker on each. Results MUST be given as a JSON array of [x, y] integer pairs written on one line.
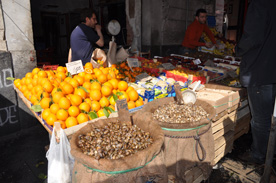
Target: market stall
[[89, 97]]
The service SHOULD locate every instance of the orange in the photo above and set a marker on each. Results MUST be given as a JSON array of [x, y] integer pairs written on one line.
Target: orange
[[61, 76], [87, 85], [129, 89], [74, 83], [106, 90], [28, 81], [62, 114], [29, 75], [51, 119], [88, 100], [131, 104], [124, 96], [45, 103], [17, 82], [88, 77], [71, 121], [42, 94], [45, 113], [104, 102], [133, 95], [95, 86], [111, 75], [23, 88], [64, 103], [67, 88], [139, 103], [73, 111], [79, 79], [23, 81], [108, 84], [81, 74], [67, 79], [95, 106], [112, 101], [122, 86], [35, 71], [98, 72], [34, 100], [27, 94], [61, 69], [34, 81], [57, 96], [102, 78], [100, 113], [105, 71], [30, 86], [88, 65], [62, 124], [95, 95], [80, 92], [38, 88], [42, 74], [114, 83], [54, 108], [48, 87], [85, 107], [82, 118], [76, 100]]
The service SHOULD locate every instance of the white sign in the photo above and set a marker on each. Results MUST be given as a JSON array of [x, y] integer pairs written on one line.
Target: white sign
[[197, 61], [75, 67], [133, 62], [141, 76], [168, 66]]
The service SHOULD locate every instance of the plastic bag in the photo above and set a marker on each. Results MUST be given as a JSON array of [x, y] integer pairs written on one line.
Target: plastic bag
[[60, 160]]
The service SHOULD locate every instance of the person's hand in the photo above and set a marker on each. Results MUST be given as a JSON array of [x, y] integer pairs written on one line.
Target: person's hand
[[98, 27], [208, 45]]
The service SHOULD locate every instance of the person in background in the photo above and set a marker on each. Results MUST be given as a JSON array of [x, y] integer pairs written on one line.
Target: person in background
[[194, 32], [85, 37], [258, 73]]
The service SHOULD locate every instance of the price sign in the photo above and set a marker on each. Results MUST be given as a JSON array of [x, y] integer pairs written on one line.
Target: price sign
[[197, 61], [133, 62], [75, 67], [168, 66], [123, 112], [141, 76]]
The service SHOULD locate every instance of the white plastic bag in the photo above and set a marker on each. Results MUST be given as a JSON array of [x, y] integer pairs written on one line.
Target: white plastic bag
[[60, 160]]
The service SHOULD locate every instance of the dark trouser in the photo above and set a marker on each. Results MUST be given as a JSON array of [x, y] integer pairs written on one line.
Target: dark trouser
[[261, 102]]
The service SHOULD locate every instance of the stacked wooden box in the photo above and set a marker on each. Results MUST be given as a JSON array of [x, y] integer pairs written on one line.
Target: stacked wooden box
[[232, 119]]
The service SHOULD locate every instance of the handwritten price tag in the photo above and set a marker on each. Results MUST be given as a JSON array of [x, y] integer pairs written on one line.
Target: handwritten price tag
[[197, 61], [168, 66], [133, 62], [123, 112], [75, 67]]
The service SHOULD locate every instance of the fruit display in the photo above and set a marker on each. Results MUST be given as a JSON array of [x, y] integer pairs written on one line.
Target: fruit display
[[114, 141], [174, 113], [226, 47], [124, 71], [72, 100], [150, 63]]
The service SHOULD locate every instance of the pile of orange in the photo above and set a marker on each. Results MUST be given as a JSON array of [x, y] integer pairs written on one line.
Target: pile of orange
[[71, 100], [124, 71]]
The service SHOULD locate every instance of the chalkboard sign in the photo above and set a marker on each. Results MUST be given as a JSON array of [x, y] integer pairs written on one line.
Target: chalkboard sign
[[9, 111]]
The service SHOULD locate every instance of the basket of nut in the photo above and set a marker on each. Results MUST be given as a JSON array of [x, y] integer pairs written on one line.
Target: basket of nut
[[188, 135], [112, 151]]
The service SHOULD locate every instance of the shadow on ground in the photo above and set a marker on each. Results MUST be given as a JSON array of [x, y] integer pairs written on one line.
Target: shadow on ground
[[23, 158]]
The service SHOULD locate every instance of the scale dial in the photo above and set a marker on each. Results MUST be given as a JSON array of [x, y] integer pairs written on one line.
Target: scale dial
[[113, 27]]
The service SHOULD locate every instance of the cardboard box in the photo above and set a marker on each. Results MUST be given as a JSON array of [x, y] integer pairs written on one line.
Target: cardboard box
[[218, 100]]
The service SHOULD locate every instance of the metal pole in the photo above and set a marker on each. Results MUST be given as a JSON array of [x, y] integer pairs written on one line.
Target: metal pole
[[270, 149]]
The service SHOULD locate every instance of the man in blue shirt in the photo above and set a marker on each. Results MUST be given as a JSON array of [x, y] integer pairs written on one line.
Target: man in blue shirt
[[85, 37]]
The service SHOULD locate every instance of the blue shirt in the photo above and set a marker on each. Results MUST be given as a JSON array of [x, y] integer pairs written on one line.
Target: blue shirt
[[82, 41]]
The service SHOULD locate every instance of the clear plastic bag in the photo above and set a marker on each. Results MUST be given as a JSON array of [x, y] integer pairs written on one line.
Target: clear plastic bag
[[60, 160]]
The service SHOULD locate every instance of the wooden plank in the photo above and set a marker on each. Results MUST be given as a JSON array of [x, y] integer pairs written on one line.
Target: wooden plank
[[224, 148], [226, 122], [223, 131], [239, 134], [192, 174], [222, 154], [222, 140]]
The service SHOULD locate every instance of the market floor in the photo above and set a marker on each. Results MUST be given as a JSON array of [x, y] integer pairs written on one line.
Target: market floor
[[23, 159]]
